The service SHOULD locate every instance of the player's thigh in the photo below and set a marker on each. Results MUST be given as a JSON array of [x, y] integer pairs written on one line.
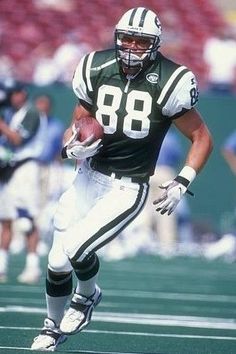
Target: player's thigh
[[109, 215], [73, 203], [24, 188]]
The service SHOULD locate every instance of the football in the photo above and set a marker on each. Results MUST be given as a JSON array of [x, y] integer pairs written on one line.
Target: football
[[88, 126]]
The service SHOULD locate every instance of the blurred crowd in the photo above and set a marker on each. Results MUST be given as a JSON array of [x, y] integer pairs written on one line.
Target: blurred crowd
[[42, 41], [32, 176]]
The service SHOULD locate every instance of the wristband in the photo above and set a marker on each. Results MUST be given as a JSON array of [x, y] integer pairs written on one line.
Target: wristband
[[184, 181], [188, 173], [64, 153], [186, 177]]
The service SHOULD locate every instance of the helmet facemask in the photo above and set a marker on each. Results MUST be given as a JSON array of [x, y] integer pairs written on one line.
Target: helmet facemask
[[137, 58]]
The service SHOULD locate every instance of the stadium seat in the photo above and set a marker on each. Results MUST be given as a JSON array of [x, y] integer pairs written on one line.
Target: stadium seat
[[24, 28]]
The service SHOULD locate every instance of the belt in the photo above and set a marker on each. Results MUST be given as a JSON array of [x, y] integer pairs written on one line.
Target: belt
[[116, 175]]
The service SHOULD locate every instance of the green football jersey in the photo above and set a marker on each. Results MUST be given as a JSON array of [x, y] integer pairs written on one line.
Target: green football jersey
[[136, 113]]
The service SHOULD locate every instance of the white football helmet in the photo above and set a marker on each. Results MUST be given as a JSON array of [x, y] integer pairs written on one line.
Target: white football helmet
[[143, 23]]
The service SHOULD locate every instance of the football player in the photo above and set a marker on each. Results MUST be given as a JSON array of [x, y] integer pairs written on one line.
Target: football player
[[21, 141], [135, 93]]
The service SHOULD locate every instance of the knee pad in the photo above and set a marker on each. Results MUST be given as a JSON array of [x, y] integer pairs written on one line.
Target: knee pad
[[58, 284], [86, 269]]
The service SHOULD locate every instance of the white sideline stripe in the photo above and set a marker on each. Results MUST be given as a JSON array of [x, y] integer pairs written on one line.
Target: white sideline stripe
[[32, 302], [171, 296], [16, 300], [73, 351], [138, 294], [145, 334], [144, 319]]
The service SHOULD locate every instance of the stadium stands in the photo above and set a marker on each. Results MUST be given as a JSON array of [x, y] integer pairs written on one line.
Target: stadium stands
[[26, 24]]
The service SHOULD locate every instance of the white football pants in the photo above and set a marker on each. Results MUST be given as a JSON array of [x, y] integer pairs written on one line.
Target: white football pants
[[21, 192], [94, 210]]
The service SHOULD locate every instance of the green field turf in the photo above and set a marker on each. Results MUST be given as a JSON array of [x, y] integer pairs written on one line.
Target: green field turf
[[149, 306]]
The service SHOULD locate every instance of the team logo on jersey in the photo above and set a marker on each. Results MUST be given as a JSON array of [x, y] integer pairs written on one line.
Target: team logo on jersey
[[152, 77]]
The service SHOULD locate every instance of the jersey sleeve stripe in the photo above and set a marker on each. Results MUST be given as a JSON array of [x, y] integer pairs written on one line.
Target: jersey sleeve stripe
[[79, 82], [84, 70], [173, 85], [88, 68], [100, 67], [178, 99], [169, 83]]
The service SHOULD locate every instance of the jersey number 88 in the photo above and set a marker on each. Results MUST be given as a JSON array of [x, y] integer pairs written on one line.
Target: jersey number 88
[[145, 101]]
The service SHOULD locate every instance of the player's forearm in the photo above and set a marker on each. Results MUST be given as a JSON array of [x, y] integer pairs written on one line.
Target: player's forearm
[[78, 113], [11, 135], [200, 149]]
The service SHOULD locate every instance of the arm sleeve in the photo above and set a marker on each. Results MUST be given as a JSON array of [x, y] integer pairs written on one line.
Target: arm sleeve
[[183, 97], [81, 82]]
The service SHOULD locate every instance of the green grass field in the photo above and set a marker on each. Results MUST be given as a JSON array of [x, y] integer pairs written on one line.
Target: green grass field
[[149, 306]]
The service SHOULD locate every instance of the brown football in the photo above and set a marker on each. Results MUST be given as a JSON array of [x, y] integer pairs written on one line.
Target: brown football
[[88, 126]]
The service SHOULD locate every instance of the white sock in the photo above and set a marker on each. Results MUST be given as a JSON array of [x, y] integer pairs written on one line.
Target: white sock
[[3, 261], [86, 287], [32, 260], [56, 307]]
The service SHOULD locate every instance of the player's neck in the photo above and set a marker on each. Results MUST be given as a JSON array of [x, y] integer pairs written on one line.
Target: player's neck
[[131, 73]]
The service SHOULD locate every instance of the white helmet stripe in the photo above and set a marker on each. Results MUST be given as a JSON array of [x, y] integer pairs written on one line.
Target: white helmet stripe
[[137, 17], [143, 17]]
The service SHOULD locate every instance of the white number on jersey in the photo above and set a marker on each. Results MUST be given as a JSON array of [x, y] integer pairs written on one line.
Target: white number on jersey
[[115, 94]]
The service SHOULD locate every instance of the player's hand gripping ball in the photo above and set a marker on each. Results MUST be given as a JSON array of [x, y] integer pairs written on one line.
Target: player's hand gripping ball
[[86, 139], [89, 127]]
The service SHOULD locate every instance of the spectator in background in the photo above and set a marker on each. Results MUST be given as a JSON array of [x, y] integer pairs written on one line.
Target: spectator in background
[[45, 71], [59, 66], [54, 133], [20, 142], [3, 97], [173, 37], [51, 169], [7, 68], [68, 54], [219, 54], [229, 151]]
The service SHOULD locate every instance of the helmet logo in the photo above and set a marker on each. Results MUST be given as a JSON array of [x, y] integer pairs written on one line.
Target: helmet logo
[[157, 22], [152, 77]]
